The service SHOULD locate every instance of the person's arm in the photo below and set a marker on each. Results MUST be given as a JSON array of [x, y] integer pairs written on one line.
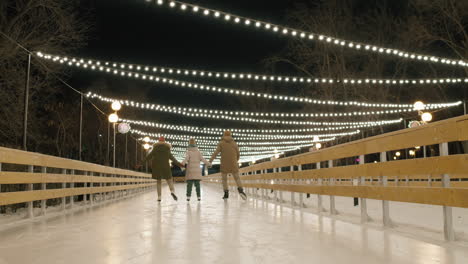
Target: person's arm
[[238, 152], [174, 161], [204, 160], [215, 154]]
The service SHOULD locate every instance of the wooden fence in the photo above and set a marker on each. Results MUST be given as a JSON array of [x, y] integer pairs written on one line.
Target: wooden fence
[[94, 182], [378, 171]]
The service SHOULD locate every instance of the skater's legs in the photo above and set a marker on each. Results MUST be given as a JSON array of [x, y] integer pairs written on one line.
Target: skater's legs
[[224, 180], [197, 187], [237, 179], [189, 187], [170, 182], [158, 187]]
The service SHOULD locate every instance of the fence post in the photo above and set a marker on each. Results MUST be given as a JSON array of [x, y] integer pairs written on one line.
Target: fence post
[[449, 234], [332, 197], [0, 171], [280, 191], [362, 181], [301, 195], [293, 198], [43, 187], [64, 186], [30, 187], [72, 185], [91, 185], [319, 197], [387, 222]]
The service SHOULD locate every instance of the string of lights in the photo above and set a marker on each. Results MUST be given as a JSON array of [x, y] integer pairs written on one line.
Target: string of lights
[[239, 131], [329, 126], [300, 34], [223, 90], [244, 143], [258, 77], [252, 137], [230, 115]]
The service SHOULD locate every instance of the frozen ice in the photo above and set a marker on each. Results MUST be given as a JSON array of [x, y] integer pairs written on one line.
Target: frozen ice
[[139, 230]]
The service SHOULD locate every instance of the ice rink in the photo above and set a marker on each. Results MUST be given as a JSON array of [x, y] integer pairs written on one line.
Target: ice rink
[[139, 230]]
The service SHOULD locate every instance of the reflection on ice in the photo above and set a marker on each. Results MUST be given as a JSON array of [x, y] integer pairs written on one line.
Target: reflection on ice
[[140, 230]]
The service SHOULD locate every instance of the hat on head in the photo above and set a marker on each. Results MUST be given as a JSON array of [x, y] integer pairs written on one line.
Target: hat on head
[[162, 139], [192, 141], [227, 133]]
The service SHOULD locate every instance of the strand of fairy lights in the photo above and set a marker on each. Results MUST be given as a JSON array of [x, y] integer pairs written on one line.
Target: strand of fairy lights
[[259, 77], [245, 143], [248, 145], [295, 33], [244, 138], [229, 91], [191, 111], [244, 132], [329, 126], [245, 147]]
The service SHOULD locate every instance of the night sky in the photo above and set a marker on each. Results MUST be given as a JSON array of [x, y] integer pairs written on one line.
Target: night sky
[[140, 32]]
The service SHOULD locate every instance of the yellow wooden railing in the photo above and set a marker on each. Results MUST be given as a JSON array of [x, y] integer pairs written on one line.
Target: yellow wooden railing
[[96, 180], [437, 180]]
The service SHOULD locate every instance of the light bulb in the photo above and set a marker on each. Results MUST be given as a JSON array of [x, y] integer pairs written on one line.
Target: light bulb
[[146, 146], [146, 139], [318, 145], [426, 117], [113, 118], [419, 106]]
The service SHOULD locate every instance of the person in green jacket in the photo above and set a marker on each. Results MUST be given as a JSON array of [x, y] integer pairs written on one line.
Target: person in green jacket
[[160, 156]]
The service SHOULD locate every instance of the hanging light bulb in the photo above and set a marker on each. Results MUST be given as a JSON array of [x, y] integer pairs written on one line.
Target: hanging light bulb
[[113, 118], [426, 117], [146, 146], [116, 106], [146, 139], [419, 106]]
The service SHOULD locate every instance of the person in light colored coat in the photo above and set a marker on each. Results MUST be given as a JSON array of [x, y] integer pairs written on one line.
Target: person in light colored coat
[[230, 156], [193, 174]]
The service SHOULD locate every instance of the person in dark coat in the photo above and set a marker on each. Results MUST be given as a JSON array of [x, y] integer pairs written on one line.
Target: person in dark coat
[[161, 169]]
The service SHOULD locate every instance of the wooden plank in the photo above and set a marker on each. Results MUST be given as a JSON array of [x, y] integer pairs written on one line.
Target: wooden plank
[[28, 196], [26, 178], [455, 197], [454, 129], [14, 156], [456, 165]]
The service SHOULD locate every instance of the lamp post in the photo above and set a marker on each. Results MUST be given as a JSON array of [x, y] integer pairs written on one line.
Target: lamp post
[[146, 146], [113, 118]]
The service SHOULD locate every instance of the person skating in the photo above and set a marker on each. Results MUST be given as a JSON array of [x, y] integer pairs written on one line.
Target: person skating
[[193, 173], [230, 156], [160, 156]]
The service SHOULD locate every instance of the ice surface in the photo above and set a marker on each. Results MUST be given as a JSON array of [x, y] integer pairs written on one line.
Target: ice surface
[[139, 230]]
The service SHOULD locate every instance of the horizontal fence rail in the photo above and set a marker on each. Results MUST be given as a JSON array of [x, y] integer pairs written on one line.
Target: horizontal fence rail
[[48, 177], [374, 174]]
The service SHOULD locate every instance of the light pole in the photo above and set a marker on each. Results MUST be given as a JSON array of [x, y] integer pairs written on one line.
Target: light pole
[[146, 146], [81, 126], [26, 105], [114, 118]]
